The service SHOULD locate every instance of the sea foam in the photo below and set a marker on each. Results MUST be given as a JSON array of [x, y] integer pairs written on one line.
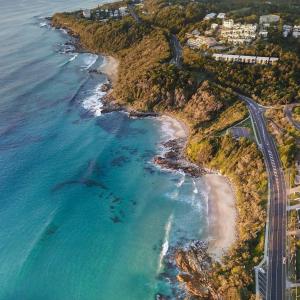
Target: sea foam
[[93, 102]]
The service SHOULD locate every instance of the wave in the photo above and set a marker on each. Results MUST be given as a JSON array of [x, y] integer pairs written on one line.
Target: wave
[[93, 102], [165, 245], [89, 61], [73, 57], [195, 190], [181, 181]]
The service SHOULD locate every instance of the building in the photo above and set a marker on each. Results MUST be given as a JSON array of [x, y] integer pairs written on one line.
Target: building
[[201, 41], [247, 59], [86, 13], [286, 30], [123, 11], [228, 23], [263, 33], [214, 26], [269, 19], [210, 16], [238, 33], [296, 31], [221, 16]]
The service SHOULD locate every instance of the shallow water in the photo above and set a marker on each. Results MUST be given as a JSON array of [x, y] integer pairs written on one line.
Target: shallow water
[[84, 214]]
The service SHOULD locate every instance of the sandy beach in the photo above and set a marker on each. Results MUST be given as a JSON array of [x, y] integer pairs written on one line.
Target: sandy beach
[[222, 214], [175, 128], [110, 68]]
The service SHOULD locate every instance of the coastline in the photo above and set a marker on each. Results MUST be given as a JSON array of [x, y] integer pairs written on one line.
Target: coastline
[[222, 215]]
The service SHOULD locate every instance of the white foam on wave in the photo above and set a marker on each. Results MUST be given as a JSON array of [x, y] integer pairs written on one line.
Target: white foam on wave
[[165, 245], [63, 30], [73, 57], [195, 190], [89, 61], [44, 24], [93, 102], [181, 181]]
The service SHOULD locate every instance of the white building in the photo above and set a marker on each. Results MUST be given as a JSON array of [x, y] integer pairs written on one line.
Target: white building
[[263, 33], [296, 31], [201, 41], [221, 16], [210, 16], [248, 59], [269, 19], [214, 26], [86, 13], [123, 11], [286, 30], [238, 33], [228, 23]]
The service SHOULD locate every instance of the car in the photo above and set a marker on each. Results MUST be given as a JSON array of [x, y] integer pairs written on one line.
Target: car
[[284, 260]]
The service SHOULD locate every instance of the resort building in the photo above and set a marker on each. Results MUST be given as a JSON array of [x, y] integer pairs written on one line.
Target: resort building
[[286, 30], [228, 23], [210, 16], [201, 41], [296, 31], [268, 19], [86, 13], [247, 59], [263, 33], [221, 16], [238, 33]]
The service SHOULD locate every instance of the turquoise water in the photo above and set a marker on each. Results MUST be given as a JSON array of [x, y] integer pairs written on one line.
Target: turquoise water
[[84, 214]]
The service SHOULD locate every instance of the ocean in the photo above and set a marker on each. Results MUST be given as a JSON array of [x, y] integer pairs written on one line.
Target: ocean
[[84, 213]]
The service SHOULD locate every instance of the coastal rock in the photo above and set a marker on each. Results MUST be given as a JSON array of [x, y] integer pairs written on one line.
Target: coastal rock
[[138, 114], [195, 267], [174, 159]]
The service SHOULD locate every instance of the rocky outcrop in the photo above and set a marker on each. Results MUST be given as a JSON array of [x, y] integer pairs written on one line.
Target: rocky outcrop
[[196, 273]]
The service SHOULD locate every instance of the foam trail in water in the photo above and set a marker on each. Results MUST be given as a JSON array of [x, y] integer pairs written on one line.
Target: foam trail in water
[[181, 181], [195, 190], [89, 61], [165, 245], [93, 102]]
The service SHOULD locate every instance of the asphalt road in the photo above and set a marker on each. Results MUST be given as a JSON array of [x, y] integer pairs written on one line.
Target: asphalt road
[[276, 267], [176, 49]]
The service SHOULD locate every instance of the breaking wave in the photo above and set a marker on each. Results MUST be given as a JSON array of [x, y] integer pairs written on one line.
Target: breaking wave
[[93, 102], [165, 245]]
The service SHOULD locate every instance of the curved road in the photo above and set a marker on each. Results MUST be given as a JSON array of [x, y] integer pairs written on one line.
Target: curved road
[[277, 217]]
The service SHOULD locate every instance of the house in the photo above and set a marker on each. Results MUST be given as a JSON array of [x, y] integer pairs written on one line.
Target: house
[[286, 30], [248, 59], [269, 19], [221, 16], [228, 23], [201, 41], [263, 33], [214, 26], [296, 31], [86, 13], [210, 16], [123, 11], [238, 33]]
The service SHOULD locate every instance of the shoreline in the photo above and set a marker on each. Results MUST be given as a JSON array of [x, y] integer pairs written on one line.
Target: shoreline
[[220, 237], [222, 214]]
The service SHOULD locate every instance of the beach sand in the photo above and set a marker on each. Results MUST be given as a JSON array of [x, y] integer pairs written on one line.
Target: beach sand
[[222, 214], [110, 68], [174, 128]]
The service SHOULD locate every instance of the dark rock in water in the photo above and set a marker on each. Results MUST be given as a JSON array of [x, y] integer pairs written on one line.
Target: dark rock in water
[[138, 114], [116, 219], [119, 161], [174, 159], [106, 87], [162, 297], [94, 71]]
